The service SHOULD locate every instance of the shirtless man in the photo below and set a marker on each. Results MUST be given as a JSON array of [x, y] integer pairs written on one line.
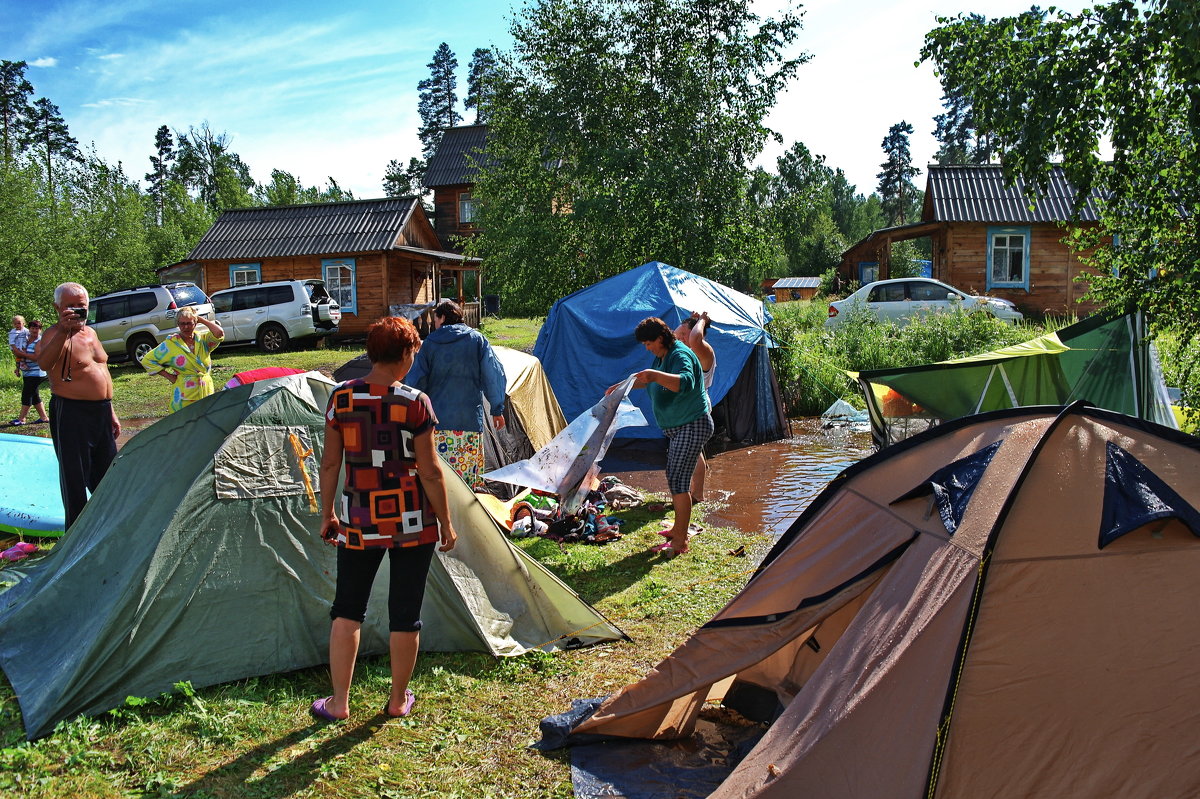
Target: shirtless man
[[83, 422], [692, 334]]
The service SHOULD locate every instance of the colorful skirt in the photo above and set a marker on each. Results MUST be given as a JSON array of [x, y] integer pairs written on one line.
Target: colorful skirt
[[463, 451]]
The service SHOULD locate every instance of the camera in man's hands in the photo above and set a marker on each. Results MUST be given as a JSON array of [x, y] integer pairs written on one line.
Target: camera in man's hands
[[80, 312]]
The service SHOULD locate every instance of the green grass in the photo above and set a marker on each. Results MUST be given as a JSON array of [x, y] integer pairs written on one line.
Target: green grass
[[519, 334]]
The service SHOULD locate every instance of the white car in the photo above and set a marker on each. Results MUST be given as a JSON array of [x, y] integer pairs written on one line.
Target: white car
[[274, 314], [900, 299]]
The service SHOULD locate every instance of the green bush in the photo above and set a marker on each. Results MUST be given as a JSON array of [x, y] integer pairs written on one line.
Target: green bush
[[811, 362], [1180, 371]]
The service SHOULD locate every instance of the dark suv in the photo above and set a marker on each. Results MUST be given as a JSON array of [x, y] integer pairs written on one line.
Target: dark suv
[[134, 321], [275, 313]]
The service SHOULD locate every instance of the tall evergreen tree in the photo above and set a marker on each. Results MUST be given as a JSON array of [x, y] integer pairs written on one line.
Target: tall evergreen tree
[[955, 129], [46, 131], [480, 74], [404, 181], [896, 188], [437, 103], [160, 172], [960, 142], [15, 108]]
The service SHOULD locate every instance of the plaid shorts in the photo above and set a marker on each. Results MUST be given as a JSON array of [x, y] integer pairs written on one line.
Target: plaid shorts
[[686, 445]]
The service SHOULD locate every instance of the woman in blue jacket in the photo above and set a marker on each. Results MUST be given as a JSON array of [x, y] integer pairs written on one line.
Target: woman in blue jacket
[[457, 369]]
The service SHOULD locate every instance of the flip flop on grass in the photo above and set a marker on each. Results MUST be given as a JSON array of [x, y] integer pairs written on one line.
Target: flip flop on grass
[[409, 700], [320, 710]]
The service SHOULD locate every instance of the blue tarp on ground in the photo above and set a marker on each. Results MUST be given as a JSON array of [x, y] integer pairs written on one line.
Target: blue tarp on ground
[[587, 343]]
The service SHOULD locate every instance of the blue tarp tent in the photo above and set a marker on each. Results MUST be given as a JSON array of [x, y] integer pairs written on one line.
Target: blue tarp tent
[[587, 344]]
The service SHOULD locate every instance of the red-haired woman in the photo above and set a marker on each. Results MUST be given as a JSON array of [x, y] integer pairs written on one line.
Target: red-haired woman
[[394, 502]]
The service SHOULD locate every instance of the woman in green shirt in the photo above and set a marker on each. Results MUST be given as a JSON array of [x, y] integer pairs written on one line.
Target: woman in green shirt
[[681, 408]]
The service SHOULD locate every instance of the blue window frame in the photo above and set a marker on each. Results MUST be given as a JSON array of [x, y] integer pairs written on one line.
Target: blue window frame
[[244, 274], [340, 282], [1008, 257]]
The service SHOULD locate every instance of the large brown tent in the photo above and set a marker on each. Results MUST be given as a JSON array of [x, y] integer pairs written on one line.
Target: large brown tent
[[1001, 606]]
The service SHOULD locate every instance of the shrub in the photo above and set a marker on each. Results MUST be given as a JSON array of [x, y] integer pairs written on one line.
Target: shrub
[[811, 362]]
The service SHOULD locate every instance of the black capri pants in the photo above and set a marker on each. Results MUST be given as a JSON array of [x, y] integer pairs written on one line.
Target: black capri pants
[[29, 390], [409, 568]]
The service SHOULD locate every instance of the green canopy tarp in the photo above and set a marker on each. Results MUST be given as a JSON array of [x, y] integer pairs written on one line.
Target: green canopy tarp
[[198, 559], [1107, 362]]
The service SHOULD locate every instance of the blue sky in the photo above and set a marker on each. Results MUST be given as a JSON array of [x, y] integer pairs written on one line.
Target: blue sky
[[329, 89]]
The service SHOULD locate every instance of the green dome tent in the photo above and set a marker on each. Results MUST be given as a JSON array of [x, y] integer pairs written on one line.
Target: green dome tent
[[1108, 363], [199, 559]]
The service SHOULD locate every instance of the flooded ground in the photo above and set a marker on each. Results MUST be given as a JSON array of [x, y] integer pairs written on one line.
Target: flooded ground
[[762, 488]]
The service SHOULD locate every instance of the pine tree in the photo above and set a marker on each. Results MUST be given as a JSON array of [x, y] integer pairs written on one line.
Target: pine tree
[[157, 177], [46, 131], [438, 100], [480, 74], [955, 129], [15, 109], [404, 181], [896, 188]]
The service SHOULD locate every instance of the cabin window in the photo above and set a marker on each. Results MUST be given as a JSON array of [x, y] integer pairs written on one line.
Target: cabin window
[[1008, 257], [244, 274], [340, 282], [868, 272], [466, 209]]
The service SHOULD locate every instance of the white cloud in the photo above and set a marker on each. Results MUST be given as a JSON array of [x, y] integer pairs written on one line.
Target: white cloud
[[111, 56], [116, 102], [44, 62]]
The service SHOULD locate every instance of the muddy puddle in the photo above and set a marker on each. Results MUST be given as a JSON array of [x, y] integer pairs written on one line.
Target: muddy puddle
[[762, 488], [131, 427]]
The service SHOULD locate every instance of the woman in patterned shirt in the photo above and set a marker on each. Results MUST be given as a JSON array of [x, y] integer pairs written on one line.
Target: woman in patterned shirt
[[394, 501]]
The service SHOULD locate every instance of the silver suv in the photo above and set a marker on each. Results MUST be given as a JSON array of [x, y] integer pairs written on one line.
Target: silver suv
[[276, 313], [134, 321]]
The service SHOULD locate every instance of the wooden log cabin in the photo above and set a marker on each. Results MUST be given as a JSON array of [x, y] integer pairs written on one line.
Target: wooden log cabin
[[377, 258], [451, 175], [991, 239]]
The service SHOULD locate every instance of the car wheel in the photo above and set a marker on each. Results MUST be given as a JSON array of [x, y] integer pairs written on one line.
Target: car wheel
[[139, 346], [272, 338]]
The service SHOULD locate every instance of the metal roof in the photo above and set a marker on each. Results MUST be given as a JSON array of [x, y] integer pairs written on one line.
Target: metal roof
[[978, 194], [798, 283], [317, 229], [441, 255], [450, 165]]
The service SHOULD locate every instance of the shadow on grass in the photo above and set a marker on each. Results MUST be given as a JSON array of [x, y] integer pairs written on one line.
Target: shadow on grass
[[236, 778], [587, 570], [604, 580]]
